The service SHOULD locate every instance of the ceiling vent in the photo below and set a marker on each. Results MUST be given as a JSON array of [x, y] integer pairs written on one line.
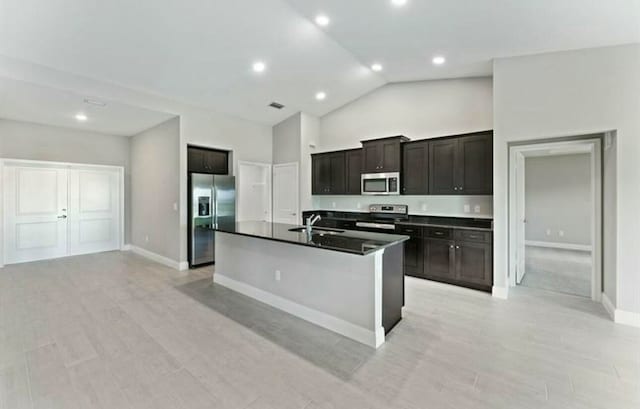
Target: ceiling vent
[[276, 105]]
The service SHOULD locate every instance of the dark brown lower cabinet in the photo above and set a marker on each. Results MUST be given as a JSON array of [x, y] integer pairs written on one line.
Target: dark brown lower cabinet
[[463, 258], [439, 259], [474, 263], [413, 257]]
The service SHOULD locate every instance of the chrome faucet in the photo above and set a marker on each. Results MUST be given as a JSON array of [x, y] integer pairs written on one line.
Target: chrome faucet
[[311, 220]]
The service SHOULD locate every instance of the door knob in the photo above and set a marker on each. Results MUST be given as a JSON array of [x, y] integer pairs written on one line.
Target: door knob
[[62, 217]]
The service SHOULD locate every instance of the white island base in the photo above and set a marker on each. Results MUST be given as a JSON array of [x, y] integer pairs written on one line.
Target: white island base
[[339, 291]]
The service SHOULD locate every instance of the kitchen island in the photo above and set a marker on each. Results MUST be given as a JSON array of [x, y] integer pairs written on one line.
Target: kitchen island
[[350, 282]]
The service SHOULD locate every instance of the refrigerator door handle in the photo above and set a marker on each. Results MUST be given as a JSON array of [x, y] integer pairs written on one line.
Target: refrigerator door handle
[[214, 198]]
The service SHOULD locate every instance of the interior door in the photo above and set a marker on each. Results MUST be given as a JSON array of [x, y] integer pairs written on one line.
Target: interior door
[[35, 204], [285, 194], [94, 210], [520, 220]]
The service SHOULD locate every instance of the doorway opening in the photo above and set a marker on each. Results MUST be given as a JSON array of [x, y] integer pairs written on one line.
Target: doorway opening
[[555, 216], [254, 191]]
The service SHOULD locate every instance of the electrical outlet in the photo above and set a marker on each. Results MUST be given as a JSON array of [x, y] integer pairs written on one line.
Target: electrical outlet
[[146, 239], [175, 207], [424, 207], [333, 204], [359, 205], [561, 233], [476, 209], [278, 276], [548, 232], [467, 208]]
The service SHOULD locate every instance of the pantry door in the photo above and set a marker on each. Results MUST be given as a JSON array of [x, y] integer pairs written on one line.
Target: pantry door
[[94, 210], [35, 213]]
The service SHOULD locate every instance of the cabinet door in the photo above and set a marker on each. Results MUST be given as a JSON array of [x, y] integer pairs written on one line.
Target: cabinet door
[[216, 162], [390, 151], [321, 174], [474, 263], [415, 168], [195, 160], [439, 259], [413, 257], [372, 157], [475, 165], [442, 166], [337, 175], [353, 161]]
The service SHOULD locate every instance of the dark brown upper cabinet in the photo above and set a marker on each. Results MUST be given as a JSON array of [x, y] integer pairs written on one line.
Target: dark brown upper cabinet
[[461, 165], [475, 167], [383, 155], [353, 161], [415, 168], [328, 173], [201, 160]]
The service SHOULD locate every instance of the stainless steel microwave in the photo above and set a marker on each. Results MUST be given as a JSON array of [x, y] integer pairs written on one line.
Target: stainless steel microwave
[[380, 183]]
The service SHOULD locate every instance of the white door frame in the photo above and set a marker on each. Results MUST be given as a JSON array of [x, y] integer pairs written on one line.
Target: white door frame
[[39, 163], [297, 166], [268, 168], [516, 158]]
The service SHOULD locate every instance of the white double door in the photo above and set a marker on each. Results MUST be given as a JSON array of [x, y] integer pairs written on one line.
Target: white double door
[[52, 212]]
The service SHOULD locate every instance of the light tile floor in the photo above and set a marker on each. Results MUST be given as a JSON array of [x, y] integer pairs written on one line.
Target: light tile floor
[[565, 271], [117, 331]]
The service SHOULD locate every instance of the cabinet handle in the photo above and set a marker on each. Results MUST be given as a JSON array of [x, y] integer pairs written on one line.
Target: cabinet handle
[[460, 188], [457, 247], [451, 246], [438, 233], [455, 188]]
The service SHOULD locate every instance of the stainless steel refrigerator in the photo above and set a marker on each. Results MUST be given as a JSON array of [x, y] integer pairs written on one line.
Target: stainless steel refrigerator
[[213, 204]]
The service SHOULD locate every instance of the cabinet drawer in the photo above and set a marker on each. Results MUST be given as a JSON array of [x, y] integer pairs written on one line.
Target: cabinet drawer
[[413, 231], [473, 235], [439, 233]]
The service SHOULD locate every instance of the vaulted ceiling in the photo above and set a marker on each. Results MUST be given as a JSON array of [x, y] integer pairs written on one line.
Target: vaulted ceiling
[[202, 51]]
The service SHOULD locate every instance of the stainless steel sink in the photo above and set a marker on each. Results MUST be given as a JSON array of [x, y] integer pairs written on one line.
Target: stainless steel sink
[[318, 230]]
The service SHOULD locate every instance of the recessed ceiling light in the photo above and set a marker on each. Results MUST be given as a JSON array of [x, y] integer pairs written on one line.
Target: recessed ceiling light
[[322, 20], [320, 96], [398, 3], [81, 117], [259, 66], [438, 60], [376, 67]]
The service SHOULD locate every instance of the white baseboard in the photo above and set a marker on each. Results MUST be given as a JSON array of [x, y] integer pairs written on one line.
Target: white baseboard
[[608, 305], [360, 334], [158, 258], [500, 292], [563, 246], [620, 316]]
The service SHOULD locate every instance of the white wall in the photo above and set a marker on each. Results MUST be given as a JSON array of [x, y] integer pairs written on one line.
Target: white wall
[[558, 199], [294, 140], [25, 140], [248, 141], [310, 127], [155, 187], [574, 93], [419, 110], [287, 140]]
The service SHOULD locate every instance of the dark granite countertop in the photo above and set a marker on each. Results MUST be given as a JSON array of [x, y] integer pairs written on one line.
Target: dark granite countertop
[[346, 241], [411, 220]]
